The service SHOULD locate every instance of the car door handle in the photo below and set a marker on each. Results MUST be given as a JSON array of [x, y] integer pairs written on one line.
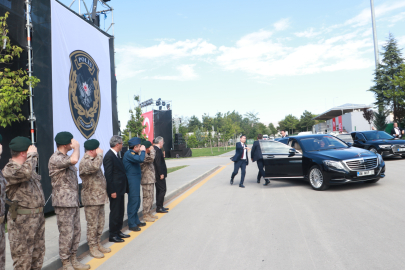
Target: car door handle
[[269, 156]]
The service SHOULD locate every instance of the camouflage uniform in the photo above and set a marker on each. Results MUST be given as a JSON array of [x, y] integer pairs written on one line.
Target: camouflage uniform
[[148, 181], [94, 196], [3, 183], [65, 200], [27, 232]]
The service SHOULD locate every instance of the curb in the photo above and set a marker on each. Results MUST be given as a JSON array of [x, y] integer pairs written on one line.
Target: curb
[[55, 262]]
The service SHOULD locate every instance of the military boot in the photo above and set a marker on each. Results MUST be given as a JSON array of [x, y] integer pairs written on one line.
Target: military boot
[[148, 218], [77, 265], [67, 265], [96, 253], [103, 248], [153, 216]]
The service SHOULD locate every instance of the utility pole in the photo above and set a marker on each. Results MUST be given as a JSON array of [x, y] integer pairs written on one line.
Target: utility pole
[[377, 61]]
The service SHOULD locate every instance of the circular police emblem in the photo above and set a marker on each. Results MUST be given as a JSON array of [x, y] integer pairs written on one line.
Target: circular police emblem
[[84, 92]]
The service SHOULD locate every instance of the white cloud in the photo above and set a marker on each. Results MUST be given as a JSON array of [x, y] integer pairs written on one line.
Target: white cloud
[[189, 47], [186, 73], [308, 33], [282, 24]]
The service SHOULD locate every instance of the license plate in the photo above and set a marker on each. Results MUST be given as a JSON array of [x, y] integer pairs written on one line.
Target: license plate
[[364, 173], [401, 149]]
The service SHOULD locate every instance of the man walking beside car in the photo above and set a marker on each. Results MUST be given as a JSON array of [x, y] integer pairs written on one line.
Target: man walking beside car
[[256, 155], [240, 160], [396, 131]]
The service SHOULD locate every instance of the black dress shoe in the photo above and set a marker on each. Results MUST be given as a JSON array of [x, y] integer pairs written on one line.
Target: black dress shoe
[[161, 210], [142, 224], [167, 209], [258, 181], [135, 229], [267, 182], [116, 239], [123, 235], [242, 186], [231, 181]]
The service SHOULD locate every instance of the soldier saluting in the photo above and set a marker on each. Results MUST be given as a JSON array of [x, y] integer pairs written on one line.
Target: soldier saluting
[[65, 199], [94, 196], [148, 182], [3, 183], [26, 222]]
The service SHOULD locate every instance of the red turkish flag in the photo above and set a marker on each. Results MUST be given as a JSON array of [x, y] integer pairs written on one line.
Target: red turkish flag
[[148, 121]]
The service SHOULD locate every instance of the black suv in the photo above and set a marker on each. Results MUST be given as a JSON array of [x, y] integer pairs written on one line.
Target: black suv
[[379, 142]]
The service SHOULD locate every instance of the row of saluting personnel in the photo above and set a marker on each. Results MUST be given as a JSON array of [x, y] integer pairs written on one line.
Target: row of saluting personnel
[[142, 165]]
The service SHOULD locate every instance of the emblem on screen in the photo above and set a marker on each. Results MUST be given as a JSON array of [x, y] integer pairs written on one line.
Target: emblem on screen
[[84, 92]]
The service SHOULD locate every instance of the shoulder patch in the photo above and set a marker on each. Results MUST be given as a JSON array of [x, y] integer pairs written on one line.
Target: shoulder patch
[[133, 153]]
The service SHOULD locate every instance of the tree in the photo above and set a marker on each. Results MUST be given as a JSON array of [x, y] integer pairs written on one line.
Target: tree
[[13, 84], [387, 93], [135, 124], [306, 121], [290, 122], [194, 123], [380, 121], [368, 115], [273, 130]]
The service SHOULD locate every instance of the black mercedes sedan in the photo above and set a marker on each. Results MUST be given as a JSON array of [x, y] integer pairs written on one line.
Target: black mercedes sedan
[[323, 160], [379, 142]]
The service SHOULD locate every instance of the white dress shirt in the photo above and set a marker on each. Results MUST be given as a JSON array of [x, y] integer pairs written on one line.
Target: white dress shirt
[[115, 152], [397, 131], [244, 151]]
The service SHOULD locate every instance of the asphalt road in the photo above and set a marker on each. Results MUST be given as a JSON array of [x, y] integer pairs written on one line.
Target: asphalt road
[[285, 225]]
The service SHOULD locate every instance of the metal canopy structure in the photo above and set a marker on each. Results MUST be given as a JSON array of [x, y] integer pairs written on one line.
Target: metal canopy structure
[[340, 110]]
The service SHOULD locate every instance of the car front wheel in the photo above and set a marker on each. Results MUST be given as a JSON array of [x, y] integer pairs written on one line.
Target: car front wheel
[[317, 178]]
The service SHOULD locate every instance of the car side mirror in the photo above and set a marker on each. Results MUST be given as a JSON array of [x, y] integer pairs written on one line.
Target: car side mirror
[[292, 152], [349, 144]]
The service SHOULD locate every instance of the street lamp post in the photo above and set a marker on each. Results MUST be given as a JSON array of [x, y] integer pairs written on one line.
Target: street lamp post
[[374, 34]]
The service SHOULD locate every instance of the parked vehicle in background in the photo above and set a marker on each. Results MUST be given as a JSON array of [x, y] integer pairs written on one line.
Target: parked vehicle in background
[[304, 133], [346, 137], [323, 160], [265, 137], [271, 138], [379, 142]]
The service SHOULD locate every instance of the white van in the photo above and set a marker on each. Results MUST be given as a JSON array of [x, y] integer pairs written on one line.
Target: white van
[[265, 137]]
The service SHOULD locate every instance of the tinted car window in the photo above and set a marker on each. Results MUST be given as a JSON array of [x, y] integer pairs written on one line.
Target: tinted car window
[[378, 135], [360, 137], [321, 143], [273, 147]]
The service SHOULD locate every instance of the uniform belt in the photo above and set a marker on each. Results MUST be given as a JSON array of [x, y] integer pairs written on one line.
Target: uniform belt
[[2, 219], [21, 211]]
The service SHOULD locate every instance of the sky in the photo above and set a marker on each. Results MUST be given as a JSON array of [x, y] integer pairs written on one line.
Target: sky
[[272, 58]]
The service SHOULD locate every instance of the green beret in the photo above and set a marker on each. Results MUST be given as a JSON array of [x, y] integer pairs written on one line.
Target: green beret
[[147, 144], [20, 144], [1, 138], [63, 138], [91, 144]]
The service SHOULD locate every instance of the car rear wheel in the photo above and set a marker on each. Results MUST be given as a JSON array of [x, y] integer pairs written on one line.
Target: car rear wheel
[[372, 181], [317, 179], [372, 149]]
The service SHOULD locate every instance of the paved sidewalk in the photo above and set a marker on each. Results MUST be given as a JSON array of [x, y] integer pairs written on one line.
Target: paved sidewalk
[[177, 182]]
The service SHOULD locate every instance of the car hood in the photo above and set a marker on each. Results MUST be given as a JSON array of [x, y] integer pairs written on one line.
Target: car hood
[[387, 141], [342, 153]]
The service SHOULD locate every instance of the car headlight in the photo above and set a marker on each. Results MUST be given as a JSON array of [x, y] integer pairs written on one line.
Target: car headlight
[[380, 159], [385, 146], [335, 165]]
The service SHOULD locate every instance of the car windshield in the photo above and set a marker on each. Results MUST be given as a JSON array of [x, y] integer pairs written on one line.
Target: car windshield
[[273, 147], [378, 135], [319, 143]]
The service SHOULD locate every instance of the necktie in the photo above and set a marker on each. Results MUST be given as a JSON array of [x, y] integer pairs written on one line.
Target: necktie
[[243, 153]]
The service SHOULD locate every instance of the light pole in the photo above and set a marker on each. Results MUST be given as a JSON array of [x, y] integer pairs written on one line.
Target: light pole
[[377, 61]]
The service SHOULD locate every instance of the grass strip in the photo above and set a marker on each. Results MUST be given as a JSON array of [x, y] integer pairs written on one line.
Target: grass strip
[[173, 169]]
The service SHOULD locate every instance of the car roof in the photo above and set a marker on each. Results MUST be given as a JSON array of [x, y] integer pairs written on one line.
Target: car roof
[[367, 131]]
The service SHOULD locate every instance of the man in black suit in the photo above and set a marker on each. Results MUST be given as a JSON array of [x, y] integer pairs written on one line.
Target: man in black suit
[[396, 131], [256, 155], [160, 174], [241, 160], [117, 185], [283, 134]]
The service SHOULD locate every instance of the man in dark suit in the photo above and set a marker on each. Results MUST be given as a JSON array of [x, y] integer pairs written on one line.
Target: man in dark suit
[[160, 174], [396, 131], [241, 160], [256, 155], [283, 134], [114, 172]]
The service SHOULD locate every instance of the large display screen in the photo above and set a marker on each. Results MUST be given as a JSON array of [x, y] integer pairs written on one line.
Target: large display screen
[[81, 78]]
